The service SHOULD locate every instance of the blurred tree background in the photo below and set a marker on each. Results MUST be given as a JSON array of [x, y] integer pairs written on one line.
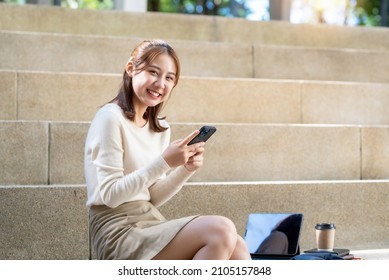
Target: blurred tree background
[[372, 12], [231, 8], [355, 12]]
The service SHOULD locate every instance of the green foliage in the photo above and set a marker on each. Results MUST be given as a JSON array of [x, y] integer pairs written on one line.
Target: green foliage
[[229, 8], [368, 12], [88, 4], [12, 1]]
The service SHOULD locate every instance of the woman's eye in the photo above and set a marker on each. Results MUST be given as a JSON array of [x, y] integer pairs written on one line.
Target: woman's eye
[[153, 72]]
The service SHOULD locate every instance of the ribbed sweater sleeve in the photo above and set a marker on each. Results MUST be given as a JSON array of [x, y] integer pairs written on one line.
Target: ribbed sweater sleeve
[[116, 189], [164, 189]]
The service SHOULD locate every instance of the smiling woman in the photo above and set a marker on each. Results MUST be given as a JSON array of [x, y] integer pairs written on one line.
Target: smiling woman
[[158, 71], [131, 168]]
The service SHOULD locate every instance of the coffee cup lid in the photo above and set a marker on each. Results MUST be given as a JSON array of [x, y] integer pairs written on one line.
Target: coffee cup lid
[[325, 226]]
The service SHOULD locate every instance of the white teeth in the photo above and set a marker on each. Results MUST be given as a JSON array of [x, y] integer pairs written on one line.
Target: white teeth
[[156, 94]]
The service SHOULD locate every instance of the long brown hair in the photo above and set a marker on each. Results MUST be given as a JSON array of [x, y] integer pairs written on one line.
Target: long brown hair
[[142, 56]]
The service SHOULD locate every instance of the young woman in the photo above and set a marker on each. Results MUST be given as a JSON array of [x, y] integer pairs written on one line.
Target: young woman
[[131, 168]]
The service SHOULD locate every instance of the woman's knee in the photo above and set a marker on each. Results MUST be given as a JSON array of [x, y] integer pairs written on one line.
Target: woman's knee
[[225, 224], [222, 231]]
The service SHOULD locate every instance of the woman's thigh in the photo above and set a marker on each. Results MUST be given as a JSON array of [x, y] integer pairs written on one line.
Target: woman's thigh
[[195, 235]]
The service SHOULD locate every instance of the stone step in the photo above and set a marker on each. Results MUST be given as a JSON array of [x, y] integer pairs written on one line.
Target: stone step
[[188, 27], [104, 54], [76, 96], [42, 152], [51, 222]]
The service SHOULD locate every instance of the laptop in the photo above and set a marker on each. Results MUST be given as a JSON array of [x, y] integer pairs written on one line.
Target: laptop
[[273, 236]]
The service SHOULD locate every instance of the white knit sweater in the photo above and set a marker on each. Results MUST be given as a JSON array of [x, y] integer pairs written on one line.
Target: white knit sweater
[[123, 162]]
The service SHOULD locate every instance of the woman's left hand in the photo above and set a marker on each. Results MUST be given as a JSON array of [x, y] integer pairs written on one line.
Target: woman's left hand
[[195, 161]]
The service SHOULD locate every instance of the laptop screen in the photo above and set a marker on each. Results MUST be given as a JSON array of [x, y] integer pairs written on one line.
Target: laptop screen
[[273, 233]]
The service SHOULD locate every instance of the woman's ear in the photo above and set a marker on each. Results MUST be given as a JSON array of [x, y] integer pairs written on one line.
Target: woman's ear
[[129, 67]]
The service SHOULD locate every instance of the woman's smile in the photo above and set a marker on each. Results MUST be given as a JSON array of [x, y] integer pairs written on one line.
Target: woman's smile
[[153, 93]]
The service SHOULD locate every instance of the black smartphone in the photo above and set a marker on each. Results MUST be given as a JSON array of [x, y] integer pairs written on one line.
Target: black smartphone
[[205, 132]]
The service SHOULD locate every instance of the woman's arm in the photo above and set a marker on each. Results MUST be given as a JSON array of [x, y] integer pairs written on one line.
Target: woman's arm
[[106, 152], [166, 188]]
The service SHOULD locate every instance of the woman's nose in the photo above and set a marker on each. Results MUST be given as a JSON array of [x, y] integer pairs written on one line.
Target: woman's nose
[[160, 82]]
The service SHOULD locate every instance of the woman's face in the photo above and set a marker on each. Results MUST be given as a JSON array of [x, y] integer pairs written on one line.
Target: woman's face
[[154, 84]]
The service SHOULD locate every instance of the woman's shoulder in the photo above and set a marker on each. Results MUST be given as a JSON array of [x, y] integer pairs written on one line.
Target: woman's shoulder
[[109, 111], [110, 108]]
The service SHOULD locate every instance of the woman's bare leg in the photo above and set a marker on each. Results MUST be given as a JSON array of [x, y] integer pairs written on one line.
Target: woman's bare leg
[[241, 251], [205, 237]]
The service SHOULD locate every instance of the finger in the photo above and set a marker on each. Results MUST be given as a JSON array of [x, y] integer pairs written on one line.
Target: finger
[[197, 153], [198, 149], [196, 158], [195, 164], [191, 154], [176, 141], [190, 137], [197, 146]]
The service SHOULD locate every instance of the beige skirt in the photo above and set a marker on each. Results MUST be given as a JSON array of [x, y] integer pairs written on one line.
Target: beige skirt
[[132, 231]]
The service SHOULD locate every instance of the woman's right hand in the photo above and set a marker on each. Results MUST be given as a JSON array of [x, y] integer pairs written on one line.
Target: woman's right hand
[[178, 152]]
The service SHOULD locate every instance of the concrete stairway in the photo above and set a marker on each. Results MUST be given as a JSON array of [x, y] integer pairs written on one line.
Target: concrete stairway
[[96, 54], [301, 118], [192, 28]]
